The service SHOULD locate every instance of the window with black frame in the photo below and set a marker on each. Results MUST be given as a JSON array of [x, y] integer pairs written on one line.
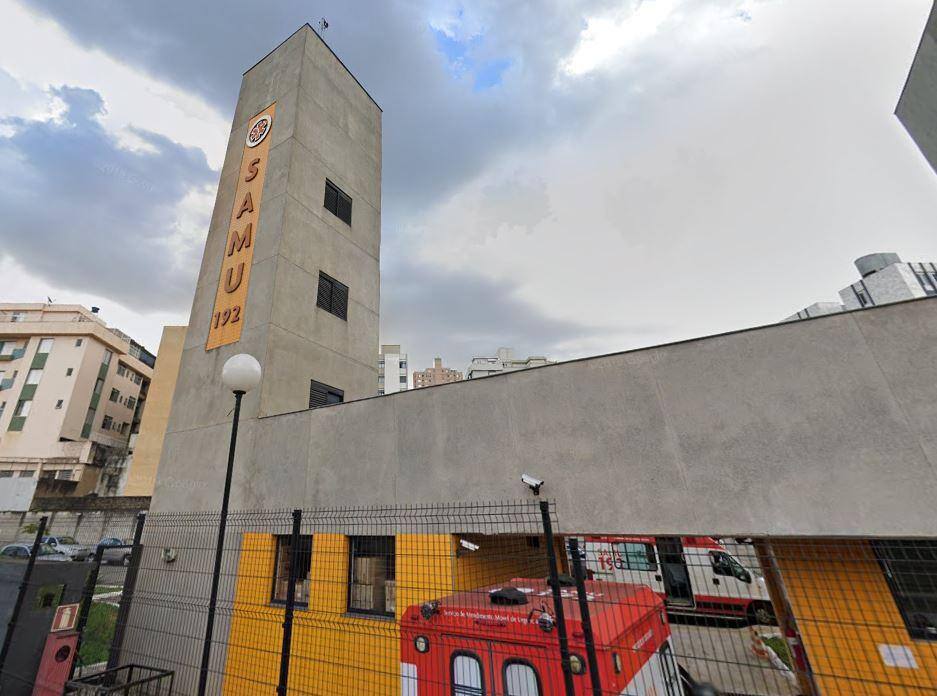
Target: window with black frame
[[372, 587], [910, 568], [637, 556], [281, 569]]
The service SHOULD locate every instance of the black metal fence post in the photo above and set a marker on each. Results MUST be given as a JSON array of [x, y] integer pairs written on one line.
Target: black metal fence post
[[24, 585], [290, 604], [588, 636], [126, 597], [86, 599], [557, 598]]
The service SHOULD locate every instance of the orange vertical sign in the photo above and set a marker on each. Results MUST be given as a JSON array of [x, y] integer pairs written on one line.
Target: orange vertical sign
[[228, 315]]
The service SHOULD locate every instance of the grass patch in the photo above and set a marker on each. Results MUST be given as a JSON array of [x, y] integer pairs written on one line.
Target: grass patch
[[781, 649], [96, 643]]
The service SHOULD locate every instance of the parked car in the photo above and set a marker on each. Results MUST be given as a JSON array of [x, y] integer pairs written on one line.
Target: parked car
[[116, 551], [46, 552], [68, 546]]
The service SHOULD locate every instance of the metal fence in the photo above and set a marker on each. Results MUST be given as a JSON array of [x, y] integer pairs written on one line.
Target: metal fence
[[500, 599]]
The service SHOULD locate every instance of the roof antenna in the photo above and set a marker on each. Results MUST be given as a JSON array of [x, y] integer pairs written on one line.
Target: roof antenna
[[323, 25]]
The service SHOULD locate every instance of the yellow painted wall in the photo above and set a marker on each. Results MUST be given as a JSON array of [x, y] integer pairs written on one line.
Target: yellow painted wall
[[336, 653], [142, 475], [844, 611]]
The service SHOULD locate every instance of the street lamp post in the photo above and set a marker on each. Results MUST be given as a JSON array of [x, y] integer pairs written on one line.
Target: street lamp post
[[240, 374]]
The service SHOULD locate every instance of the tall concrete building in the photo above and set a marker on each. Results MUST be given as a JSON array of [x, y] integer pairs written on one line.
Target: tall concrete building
[[917, 107], [392, 370], [290, 268], [71, 395], [504, 361], [884, 278], [437, 374]]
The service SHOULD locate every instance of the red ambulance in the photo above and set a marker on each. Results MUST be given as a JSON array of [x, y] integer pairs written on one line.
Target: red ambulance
[[503, 641]]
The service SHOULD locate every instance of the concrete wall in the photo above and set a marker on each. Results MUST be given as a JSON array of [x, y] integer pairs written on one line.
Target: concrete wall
[[917, 107], [17, 493], [142, 474], [826, 426], [326, 126]]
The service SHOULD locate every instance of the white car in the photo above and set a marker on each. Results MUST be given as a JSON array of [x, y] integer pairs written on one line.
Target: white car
[[46, 552], [68, 546]]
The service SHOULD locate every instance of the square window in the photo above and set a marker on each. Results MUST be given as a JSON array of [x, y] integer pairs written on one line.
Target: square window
[[323, 395], [332, 296], [69, 371], [371, 577], [337, 202], [22, 408], [78, 342], [58, 404], [910, 568], [45, 345], [33, 376], [281, 569]]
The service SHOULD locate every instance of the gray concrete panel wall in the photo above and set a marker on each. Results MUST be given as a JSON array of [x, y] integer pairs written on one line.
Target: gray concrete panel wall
[[326, 126], [917, 107], [823, 427]]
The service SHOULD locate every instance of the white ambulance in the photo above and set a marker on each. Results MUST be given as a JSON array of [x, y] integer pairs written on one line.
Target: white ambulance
[[693, 575]]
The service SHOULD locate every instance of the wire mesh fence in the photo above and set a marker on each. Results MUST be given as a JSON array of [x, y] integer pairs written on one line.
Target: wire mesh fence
[[484, 599]]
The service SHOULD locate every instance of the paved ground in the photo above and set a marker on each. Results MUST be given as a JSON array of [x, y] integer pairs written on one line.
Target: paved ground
[[723, 657]]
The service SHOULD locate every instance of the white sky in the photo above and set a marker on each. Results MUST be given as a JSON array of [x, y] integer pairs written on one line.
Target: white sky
[[736, 158]]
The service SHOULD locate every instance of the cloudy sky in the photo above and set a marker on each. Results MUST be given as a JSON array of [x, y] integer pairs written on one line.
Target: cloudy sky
[[568, 177]]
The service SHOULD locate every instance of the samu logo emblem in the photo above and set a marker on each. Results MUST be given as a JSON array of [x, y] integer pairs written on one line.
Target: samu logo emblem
[[259, 130]]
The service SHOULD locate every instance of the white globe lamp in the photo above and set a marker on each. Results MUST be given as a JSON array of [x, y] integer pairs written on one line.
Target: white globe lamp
[[241, 373]]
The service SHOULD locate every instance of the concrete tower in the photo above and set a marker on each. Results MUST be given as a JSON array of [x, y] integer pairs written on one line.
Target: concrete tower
[[290, 271]]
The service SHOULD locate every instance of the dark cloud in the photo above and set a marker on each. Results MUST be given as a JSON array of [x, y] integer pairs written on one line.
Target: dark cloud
[[87, 214], [438, 131]]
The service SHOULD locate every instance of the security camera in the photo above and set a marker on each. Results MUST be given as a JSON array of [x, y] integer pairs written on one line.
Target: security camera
[[468, 545], [532, 483]]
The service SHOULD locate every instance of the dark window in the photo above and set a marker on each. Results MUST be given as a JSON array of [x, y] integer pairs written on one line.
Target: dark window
[[115, 394], [106, 423], [337, 202], [520, 679], [333, 296], [910, 566], [68, 372], [324, 395], [466, 674], [724, 564], [281, 569], [371, 576], [77, 342]]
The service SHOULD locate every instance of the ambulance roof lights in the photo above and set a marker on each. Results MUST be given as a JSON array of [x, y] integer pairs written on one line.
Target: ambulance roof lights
[[507, 595], [429, 609]]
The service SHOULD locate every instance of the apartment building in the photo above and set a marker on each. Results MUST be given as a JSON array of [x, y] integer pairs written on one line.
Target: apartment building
[[392, 371], [437, 374], [884, 278], [72, 392], [504, 361]]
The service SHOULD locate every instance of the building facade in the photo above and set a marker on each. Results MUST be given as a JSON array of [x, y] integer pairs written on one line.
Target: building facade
[[392, 370], [71, 398], [437, 374], [504, 361], [885, 278]]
